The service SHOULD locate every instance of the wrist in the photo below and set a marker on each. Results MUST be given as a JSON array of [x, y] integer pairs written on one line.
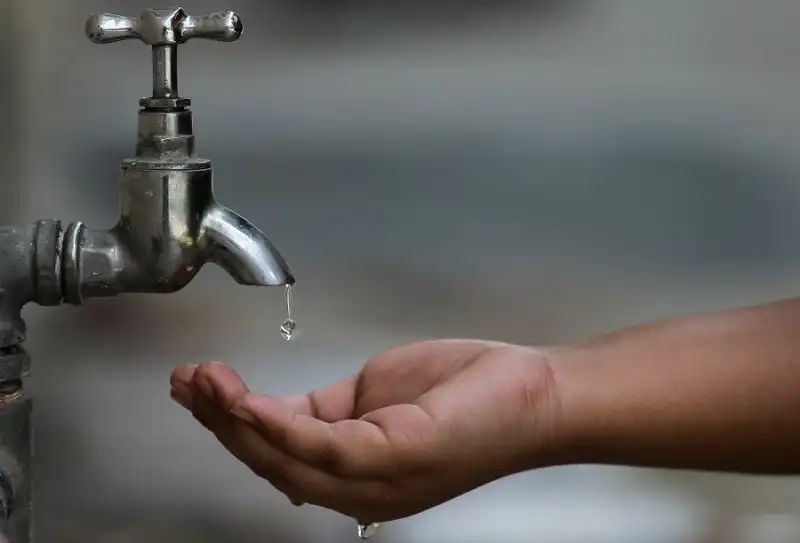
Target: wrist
[[550, 422], [572, 411], [552, 408]]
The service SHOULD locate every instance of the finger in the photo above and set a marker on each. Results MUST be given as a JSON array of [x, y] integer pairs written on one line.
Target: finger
[[222, 383], [182, 396], [203, 408], [218, 388], [181, 385], [296, 479], [330, 404], [213, 384], [212, 389], [219, 382], [349, 448], [210, 411], [300, 482], [182, 375], [402, 374], [333, 403]]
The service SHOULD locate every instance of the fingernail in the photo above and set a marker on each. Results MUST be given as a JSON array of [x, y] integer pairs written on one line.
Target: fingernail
[[181, 396]]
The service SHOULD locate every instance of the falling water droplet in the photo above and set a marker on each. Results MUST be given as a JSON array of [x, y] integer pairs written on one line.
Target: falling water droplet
[[289, 325], [365, 531], [287, 329]]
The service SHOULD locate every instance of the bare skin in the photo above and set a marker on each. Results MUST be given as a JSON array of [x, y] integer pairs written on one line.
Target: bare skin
[[424, 423]]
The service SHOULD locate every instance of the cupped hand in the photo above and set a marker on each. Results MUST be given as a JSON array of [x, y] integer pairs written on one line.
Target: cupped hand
[[419, 425]]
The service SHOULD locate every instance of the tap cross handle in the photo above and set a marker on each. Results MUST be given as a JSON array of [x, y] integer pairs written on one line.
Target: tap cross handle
[[164, 30], [164, 27]]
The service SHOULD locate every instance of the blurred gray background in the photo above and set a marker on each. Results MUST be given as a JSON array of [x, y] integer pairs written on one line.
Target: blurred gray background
[[536, 172]]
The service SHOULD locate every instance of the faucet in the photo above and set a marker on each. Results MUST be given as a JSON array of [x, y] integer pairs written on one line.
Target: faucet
[[170, 225]]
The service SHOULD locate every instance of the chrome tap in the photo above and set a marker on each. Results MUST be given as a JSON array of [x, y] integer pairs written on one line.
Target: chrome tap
[[170, 225]]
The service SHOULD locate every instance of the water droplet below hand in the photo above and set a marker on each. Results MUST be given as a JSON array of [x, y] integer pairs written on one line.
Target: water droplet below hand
[[365, 531]]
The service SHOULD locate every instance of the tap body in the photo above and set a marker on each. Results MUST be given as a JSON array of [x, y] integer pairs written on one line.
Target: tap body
[[170, 225]]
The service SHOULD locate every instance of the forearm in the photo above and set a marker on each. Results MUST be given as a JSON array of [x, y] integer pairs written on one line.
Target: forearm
[[716, 392]]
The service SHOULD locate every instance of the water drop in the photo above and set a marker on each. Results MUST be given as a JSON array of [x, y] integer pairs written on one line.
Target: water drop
[[365, 531], [287, 329], [289, 325]]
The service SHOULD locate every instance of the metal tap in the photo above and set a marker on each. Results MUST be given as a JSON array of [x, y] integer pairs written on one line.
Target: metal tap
[[170, 225]]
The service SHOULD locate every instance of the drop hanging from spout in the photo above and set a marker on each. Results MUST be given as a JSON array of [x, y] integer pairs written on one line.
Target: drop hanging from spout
[[289, 325]]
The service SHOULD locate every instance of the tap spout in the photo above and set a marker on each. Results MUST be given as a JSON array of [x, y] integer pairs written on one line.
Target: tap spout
[[242, 250]]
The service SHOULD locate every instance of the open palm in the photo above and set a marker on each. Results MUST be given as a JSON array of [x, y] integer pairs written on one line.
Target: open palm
[[419, 425]]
